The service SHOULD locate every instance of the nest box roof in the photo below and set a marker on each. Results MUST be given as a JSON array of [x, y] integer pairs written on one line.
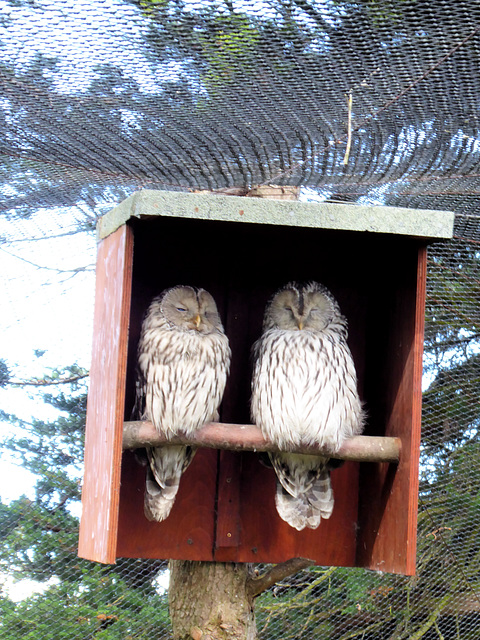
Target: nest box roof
[[325, 215]]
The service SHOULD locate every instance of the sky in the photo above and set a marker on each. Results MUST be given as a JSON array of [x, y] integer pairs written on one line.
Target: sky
[[46, 304], [48, 308], [79, 34]]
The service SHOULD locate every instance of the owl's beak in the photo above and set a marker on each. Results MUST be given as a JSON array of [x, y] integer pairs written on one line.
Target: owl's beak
[[197, 320], [300, 325]]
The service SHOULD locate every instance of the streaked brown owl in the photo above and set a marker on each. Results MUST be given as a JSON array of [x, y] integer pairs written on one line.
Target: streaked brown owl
[[304, 391], [183, 363]]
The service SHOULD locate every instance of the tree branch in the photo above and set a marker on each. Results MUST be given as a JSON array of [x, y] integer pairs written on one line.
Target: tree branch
[[45, 382], [276, 573], [41, 266]]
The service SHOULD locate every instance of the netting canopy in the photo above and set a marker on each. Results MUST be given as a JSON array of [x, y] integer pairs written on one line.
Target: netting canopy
[[360, 101], [374, 100]]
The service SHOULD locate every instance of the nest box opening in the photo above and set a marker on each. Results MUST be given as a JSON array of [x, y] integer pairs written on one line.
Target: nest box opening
[[225, 507]]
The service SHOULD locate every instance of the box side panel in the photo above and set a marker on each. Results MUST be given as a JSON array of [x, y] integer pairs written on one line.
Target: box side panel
[[388, 492], [416, 411], [105, 406]]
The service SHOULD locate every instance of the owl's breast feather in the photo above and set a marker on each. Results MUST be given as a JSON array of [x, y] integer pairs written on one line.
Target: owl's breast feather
[[299, 392]]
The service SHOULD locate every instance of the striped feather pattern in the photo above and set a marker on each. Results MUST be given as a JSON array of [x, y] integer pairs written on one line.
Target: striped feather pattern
[[182, 368], [304, 391]]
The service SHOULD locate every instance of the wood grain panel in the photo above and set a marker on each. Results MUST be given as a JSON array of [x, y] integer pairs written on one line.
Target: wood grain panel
[[265, 537], [389, 493], [105, 407], [188, 532], [227, 532], [415, 435]]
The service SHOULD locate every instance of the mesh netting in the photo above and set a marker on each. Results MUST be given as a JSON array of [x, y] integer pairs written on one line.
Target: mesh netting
[[372, 101]]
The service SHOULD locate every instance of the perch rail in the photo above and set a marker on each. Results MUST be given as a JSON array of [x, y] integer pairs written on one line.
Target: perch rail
[[247, 437]]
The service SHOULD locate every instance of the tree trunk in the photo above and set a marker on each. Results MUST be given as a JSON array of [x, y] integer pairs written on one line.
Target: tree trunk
[[211, 601]]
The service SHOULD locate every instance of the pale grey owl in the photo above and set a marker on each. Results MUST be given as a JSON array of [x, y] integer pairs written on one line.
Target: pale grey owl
[[183, 363], [304, 391]]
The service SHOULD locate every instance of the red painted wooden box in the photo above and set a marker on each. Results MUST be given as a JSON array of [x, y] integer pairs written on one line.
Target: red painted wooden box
[[242, 250]]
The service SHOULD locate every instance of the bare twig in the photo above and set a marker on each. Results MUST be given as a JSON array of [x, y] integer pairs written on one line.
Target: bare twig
[[388, 104], [419, 78], [52, 237], [40, 266], [349, 127]]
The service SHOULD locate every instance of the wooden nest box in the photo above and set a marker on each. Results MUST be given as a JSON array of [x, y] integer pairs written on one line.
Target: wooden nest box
[[242, 250]]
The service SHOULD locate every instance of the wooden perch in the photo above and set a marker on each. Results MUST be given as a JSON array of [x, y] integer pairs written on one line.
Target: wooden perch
[[248, 437]]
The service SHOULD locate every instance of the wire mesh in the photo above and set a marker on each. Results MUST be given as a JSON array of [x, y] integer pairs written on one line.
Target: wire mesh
[[99, 99]]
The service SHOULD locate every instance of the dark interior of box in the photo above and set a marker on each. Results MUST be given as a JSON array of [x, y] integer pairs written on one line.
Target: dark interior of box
[[373, 277]]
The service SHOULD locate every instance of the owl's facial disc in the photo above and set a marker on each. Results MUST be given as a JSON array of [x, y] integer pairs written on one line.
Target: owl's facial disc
[[297, 311], [180, 308], [189, 309]]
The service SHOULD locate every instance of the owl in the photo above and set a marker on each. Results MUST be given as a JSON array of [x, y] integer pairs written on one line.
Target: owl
[[304, 392], [182, 367]]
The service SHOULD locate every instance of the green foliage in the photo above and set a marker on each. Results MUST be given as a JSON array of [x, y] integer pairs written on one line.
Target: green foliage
[[38, 540], [101, 605], [452, 309], [53, 450], [328, 603], [230, 49], [451, 412]]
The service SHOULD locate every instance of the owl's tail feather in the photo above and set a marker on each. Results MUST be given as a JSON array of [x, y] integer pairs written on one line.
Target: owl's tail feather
[[166, 465], [304, 504], [320, 496]]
